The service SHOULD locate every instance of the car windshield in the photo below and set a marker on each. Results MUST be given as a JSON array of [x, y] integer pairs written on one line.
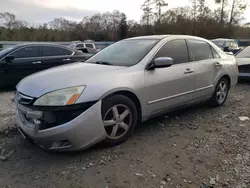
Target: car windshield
[[219, 43], [124, 53], [245, 53], [71, 46], [6, 50], [232, 44]]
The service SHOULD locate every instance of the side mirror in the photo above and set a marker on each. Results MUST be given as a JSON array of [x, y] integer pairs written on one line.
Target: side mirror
[[9, 59], [161, 62]]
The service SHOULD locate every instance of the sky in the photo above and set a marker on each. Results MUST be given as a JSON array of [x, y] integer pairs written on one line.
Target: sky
[[40, 11]]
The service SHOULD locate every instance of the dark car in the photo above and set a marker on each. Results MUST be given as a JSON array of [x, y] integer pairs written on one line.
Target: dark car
[[227, 45], [22, 60]]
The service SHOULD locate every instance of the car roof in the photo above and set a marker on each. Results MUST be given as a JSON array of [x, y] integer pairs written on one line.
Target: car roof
[[222, 39], [38, 43], [150, 37], [160, 37]]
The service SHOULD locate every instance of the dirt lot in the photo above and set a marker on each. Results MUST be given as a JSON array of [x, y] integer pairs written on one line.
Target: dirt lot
[[183, 149]]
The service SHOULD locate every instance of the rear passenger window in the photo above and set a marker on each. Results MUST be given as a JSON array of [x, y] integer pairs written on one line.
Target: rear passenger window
[[176, 49], [200, 50], [55, 51], [79, 46], [89, 45]]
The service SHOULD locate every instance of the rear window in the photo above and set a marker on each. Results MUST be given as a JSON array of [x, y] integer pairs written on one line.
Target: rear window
[[55, 51]]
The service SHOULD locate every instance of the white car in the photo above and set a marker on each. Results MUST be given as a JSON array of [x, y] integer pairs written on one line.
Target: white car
[[243, 60], [77, 45]]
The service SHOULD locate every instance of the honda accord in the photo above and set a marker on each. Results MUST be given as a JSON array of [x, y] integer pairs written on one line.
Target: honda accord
[[74, 106]]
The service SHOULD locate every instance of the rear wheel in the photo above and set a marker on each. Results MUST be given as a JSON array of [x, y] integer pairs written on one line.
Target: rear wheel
[[119, 116], [220, 94]]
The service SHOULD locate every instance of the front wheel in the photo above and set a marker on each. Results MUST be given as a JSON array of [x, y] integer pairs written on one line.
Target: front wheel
[[220, 94], [119, 116]]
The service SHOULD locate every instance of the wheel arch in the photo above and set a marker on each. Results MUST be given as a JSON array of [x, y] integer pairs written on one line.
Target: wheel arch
[[227, 77], [131, 95]]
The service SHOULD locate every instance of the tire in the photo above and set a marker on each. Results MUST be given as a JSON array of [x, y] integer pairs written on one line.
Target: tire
[[119, 123], [215, 100]]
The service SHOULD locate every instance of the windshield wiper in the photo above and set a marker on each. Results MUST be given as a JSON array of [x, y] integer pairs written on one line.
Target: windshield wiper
[[102, 63]]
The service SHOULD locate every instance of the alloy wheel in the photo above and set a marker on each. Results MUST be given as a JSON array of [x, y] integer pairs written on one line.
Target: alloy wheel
[[117, 121], [221, 92]]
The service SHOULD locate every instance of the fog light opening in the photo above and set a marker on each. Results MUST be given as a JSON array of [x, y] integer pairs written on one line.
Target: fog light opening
[[37, 121], [61, 144]]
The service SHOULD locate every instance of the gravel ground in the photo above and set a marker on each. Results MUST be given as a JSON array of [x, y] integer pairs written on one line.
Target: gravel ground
[[7, 111], [183, 149]]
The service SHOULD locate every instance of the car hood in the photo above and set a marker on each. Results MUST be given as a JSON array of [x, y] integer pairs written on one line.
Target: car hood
[[61, 77]]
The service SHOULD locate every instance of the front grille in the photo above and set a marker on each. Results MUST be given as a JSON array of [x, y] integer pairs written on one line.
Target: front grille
[[23, 99], [244, 69]]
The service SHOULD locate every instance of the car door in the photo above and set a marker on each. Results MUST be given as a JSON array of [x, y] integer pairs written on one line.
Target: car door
[[55, 56], [207, 65], [27, 60], [167, 88]]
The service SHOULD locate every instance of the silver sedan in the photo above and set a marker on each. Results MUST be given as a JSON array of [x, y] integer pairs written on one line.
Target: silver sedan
[[75, 106]]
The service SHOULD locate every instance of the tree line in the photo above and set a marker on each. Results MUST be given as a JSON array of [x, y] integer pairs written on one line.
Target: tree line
[[197, 19]]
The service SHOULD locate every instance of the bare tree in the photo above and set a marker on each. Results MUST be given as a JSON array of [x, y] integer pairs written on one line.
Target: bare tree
[[198, 20], [223, 5], [159, 4], [237, 9], [123, 31], [194, 15], [203, 9], [147, 11], [7, 20]]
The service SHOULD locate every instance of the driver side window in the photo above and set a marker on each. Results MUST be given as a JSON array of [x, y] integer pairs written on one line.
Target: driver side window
[[176, 49], [28, 52]]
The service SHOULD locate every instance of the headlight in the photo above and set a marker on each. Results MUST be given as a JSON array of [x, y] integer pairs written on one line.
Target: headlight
[[62, 97]]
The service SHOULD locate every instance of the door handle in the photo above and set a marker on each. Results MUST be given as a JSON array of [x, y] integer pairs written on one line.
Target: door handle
[[188, 71], [217, 64], [67, 59], [36, 62]]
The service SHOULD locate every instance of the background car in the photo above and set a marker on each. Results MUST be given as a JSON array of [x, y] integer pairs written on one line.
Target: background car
[[22, 60], [88, 50], [227, 45], [243, 61], [74, 106], [77, 45]]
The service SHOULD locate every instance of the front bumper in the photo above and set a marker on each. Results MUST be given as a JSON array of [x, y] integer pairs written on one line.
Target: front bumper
[[83, 131], [244, 75]]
